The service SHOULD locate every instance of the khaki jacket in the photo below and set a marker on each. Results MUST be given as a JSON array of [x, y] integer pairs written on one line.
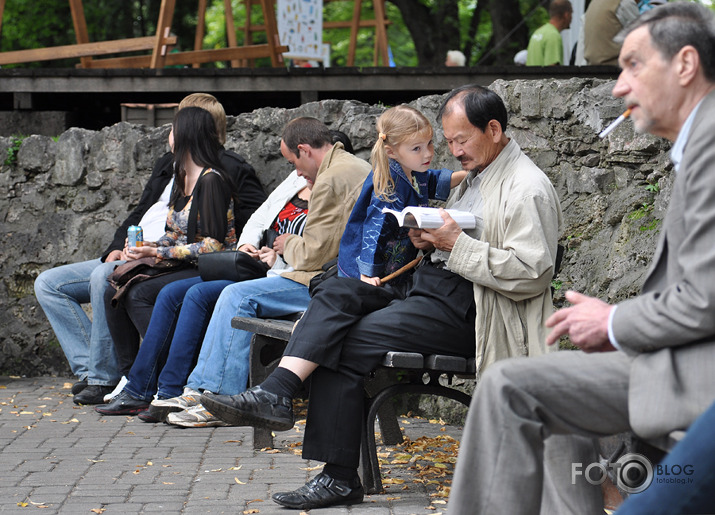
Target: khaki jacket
[[513, 264], [337, 186]]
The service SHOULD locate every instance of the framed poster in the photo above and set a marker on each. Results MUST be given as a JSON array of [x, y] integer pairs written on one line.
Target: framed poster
[[300, 26]]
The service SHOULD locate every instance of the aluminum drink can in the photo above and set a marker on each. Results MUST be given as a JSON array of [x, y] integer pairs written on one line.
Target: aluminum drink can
[[135, 236]]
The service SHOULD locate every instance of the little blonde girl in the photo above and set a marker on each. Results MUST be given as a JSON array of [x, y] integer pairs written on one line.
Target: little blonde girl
[[373, 244]]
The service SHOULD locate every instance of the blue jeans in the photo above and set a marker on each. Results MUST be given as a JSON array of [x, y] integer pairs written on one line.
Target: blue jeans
[[223, 362], [173, 339], [692, 459], [88, 346]]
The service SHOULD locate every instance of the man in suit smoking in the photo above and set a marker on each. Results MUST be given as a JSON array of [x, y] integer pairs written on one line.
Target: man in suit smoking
[[647, 362]]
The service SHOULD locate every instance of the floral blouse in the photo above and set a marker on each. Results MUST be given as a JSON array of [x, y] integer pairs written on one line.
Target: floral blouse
[[215, 223]]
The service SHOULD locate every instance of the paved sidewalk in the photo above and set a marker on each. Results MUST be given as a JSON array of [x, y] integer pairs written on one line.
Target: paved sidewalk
[[62, 458]]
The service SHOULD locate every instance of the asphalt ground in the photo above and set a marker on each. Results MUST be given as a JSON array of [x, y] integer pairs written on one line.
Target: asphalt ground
[[60, 458]]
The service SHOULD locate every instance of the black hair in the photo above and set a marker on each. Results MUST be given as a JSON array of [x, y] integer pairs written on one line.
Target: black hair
[[340, 136], [195, 138], [481, 105]]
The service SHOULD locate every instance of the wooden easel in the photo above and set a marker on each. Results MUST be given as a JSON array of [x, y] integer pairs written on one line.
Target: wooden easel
[[158, 43], [379, 23]]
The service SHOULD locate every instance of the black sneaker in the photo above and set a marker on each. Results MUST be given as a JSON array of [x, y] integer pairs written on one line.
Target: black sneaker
[[255, 407], [322, 491]]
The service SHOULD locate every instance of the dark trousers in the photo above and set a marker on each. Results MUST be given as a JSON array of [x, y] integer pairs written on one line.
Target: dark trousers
[[129, 320], [347, 329]]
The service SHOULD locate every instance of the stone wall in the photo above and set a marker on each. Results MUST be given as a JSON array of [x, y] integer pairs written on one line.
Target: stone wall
[[60, 200]]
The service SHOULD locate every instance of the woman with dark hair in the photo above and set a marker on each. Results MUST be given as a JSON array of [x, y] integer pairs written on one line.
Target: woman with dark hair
[[155, 385], [200, 220]]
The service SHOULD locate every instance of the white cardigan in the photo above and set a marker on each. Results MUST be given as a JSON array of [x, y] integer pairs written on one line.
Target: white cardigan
[[262, 217]]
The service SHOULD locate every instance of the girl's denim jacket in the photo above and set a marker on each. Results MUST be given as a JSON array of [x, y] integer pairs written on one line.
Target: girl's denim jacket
[[373, 243]]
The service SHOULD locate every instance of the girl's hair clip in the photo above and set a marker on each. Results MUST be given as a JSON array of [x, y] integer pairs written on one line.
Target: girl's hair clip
[[382, 136]]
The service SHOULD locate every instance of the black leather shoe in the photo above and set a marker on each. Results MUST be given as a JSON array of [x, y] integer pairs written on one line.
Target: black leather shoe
[[322, 491], [93, 394], [79, 386], [254, 407], [122, 404]]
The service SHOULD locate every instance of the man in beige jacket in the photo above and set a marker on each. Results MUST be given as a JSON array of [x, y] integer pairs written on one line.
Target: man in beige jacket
[[336, 178], [491, 283]]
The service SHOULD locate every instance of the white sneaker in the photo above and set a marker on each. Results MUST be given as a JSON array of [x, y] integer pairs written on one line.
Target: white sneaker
[[184, 401], [196, 416], [120, 386]]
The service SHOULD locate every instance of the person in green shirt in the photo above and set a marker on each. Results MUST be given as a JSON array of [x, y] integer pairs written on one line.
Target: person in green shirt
[[545, 46]]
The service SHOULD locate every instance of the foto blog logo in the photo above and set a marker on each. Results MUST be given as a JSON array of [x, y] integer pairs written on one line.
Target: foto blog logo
[[632, 473]]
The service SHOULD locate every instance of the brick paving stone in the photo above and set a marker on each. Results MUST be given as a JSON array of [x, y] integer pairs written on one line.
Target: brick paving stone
[[69, 459]]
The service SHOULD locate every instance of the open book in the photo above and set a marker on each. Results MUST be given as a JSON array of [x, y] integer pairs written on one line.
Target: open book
[[429, 217]]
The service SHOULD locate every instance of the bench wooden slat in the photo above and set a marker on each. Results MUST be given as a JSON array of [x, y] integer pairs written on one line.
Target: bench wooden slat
[[394, 359], [280, 329], [439, 362]]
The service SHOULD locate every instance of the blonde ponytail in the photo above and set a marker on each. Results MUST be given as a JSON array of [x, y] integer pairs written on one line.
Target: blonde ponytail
[[382, 180]]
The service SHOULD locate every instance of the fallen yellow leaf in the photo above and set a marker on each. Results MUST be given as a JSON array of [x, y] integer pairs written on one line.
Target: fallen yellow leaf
[[238, 481]]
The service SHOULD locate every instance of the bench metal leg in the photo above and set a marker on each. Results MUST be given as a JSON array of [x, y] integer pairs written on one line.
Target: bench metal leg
[[387, 418], [268, 352], [372, 481]]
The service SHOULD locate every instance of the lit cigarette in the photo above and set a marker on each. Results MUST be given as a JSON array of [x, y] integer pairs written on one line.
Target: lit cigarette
[[615, 124]]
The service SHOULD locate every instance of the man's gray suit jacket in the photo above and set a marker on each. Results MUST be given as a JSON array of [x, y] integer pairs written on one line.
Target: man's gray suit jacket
[[670, 328]]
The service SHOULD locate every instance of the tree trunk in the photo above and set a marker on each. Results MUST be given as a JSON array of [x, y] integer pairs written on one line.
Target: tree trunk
[[434, 30], [509, 33]]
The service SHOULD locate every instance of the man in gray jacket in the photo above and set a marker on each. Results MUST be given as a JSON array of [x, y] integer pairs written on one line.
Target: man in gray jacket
[[648, 362]]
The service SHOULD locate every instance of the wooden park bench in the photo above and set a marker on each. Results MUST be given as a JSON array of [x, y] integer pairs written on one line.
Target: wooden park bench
[[419, 373]]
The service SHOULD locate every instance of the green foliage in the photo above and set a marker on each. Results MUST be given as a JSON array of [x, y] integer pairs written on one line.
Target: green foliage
[[34, 24], [28, 25], [11, 156], [37, 24], [557, 285], [650, 226], [653, 188], [641, 212]]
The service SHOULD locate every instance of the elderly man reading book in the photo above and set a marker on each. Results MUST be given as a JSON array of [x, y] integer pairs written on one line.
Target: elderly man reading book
[[485, 289]]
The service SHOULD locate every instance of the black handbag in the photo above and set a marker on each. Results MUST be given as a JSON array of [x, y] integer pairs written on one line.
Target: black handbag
[[230, 265]]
